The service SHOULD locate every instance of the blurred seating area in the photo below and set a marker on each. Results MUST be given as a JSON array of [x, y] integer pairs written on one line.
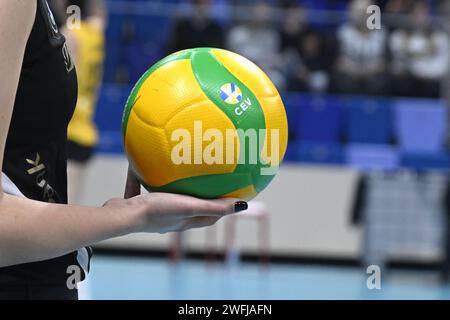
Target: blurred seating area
[[369, 99], [314, 46]]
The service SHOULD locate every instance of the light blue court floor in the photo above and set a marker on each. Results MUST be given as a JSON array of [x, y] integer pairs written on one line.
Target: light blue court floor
[[147, 278]]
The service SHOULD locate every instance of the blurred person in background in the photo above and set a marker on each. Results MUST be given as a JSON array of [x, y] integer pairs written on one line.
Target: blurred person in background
[[397, 6], [361, 65], [86, 45], [304, 52], [196, 30], [420, 55], [258, 40], [294, 25], [395, 9]]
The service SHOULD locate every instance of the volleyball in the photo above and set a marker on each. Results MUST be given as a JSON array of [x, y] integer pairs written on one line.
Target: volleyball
[[205, 122]]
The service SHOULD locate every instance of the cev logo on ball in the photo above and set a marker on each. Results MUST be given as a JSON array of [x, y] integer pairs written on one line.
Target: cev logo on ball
[[232, 94]]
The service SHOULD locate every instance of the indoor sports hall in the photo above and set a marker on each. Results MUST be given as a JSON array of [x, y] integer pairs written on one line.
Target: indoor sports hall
[[360, 206]]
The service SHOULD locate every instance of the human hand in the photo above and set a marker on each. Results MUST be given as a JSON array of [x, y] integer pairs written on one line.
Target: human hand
[[167, 212]]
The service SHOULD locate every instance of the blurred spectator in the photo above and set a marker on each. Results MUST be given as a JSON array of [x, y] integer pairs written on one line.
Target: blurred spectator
[[420, 56], [304, 53], [395, 13], [259, 41], [360, 66], [197, 30], [294, 26], [398, 6]]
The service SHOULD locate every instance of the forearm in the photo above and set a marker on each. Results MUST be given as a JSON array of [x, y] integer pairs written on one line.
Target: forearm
[[34, 231]]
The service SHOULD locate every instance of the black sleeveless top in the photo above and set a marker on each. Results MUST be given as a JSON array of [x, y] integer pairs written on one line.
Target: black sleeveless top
[[35, 154]]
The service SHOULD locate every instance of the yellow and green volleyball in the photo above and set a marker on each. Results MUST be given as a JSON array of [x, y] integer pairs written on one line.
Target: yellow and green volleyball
[[207, 123]]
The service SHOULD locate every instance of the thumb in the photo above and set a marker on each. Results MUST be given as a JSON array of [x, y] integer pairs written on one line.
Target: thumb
[[132, 185]]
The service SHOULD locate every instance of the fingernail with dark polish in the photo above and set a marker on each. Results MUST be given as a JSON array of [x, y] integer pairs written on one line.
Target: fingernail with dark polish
[[240, 206]]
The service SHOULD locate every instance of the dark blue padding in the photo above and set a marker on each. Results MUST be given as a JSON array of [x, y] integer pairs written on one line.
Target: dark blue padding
[[292, 152], [141, 56], [319, 118], [368, 120], [320, 152], [421, 125], [113, 44], [292, 105], [108, 117], [426, 162]]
